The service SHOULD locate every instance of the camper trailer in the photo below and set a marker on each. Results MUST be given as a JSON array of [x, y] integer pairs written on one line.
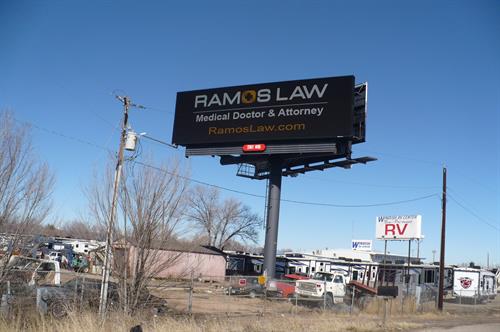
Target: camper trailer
[[473, 283]]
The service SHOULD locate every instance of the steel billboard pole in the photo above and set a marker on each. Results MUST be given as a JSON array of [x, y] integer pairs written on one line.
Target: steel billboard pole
[[273, 213], [443, 240]]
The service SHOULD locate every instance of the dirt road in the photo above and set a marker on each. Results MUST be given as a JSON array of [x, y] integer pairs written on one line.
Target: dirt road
[[466, 328]]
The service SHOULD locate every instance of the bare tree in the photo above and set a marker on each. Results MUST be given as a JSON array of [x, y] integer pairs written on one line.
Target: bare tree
[[152, 202], [99, 196], [222, 223], [84, 230], [25, 182]]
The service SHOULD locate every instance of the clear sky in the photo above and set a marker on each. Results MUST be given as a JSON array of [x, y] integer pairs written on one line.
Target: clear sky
[[433, 69]]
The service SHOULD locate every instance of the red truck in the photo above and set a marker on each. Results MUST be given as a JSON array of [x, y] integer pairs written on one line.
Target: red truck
[[284, 287]]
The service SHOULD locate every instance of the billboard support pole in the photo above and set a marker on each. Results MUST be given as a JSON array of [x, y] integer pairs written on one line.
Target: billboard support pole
[[407, 279], [273, 212], [385, 257], [443, 238]]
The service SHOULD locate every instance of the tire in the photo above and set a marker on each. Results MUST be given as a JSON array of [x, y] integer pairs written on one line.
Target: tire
[[252, 294], [329, 301], [58, 309]]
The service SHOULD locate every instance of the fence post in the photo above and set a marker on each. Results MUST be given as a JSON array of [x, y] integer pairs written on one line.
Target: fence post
[[265, 300], [5, 302], [324, 295], [475, 300], [352, 300], [76, 291], [81, 294], [190, 300], [385, 311]]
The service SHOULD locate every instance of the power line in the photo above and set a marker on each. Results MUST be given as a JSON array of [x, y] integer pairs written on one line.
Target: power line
[[376, 185], [159, 141], [392, 155], [197, 181], [363, 205], [239, 191], [473, 213], [285, 200], [53, 132], [436, 163]]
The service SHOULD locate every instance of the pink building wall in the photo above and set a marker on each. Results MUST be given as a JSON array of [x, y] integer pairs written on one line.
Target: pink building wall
[[180, 264]]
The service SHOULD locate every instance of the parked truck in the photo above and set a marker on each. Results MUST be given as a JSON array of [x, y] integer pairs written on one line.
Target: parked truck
[[329, 287]]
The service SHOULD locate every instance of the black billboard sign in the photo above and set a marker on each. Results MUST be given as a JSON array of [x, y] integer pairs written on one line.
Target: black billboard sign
[[291, 111]]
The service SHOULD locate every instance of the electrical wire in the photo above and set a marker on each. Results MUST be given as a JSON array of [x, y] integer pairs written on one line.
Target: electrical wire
[[375, 185], [436, 163], [287, 200], [251, 194], [363, 205], [50, 131], [479, 218], [159, 141]]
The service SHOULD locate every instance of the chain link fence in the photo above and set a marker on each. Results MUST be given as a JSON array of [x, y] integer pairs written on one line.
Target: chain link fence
[[58, 292]]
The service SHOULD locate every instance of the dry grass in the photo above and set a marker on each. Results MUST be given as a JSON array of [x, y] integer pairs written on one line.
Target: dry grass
[[119, 322]]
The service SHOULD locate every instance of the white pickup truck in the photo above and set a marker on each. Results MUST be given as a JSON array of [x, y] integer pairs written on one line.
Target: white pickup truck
[[324, 286]]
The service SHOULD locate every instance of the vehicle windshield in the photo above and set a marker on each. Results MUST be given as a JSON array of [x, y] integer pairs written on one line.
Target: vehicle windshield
[[323, 276]]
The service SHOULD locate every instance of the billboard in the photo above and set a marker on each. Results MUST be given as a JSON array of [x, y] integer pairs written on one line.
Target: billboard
[[399, 227], [361, 245], [291, 111], [360, 109]]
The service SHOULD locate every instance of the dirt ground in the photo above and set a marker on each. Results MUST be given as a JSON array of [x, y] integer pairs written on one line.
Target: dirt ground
[[467, 317], [211, 302]]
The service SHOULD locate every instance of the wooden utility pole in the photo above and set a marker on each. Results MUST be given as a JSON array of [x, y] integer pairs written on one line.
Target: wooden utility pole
[[443, 241], [109, 236]]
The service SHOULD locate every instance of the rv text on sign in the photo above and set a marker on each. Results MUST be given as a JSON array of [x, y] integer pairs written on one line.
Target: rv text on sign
[[399, 227]]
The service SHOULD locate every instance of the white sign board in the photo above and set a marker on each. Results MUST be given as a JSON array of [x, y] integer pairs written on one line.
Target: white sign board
[[361, 245], [399, 227]]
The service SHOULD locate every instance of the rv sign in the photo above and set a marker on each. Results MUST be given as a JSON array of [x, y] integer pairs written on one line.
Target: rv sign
[[399, 227], [361, 245]]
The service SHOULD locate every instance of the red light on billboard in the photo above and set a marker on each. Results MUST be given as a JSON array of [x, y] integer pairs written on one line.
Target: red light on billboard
[[254, 147]]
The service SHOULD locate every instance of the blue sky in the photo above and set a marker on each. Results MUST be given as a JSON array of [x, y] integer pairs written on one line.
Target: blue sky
[[432, 67]]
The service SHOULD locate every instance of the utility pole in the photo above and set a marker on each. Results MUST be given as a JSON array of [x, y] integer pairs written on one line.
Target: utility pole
[[109, 235], [443, 241]]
